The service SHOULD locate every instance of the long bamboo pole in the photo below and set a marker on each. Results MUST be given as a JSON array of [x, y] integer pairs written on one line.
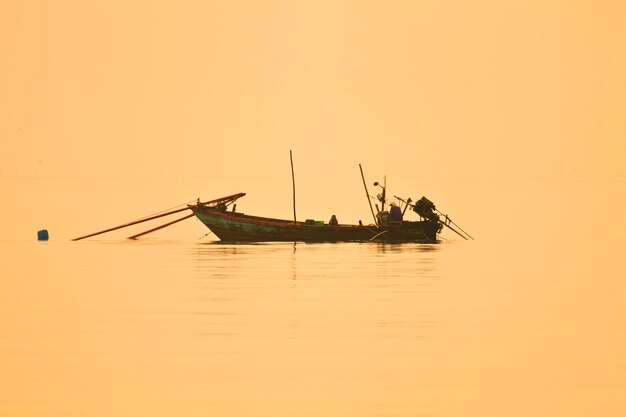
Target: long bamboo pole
[[217, 200], [293, 181], [133, 237], [131, 223], [367, 194]]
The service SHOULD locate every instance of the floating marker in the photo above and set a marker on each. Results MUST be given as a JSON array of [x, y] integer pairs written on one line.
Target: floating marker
[[42, 235]]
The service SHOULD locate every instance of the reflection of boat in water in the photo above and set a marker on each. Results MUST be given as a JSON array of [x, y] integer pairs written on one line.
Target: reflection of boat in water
[[238, 227]]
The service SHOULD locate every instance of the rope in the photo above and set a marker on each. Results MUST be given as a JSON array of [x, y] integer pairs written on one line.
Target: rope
[[379, 234], [202, 237]]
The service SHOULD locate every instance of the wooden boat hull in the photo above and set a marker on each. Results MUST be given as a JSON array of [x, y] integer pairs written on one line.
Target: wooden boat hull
[[238, 227]]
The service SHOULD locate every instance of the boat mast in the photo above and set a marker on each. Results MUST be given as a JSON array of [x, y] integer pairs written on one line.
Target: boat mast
[[384, 193], [368, 195], [293, 181]]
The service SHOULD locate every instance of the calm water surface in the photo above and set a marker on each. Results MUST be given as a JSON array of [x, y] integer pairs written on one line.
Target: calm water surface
[[169, 327]]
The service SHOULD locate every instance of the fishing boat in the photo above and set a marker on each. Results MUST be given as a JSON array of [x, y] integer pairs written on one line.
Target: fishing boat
[[231, 226]]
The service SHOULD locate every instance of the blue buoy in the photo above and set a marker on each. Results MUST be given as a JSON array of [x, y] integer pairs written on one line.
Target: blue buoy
[[42, 235]]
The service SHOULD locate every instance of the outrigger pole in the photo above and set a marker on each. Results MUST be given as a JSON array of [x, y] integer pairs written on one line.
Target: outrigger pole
[[132, 223], [133, 237], [368, 195], [226, 199]]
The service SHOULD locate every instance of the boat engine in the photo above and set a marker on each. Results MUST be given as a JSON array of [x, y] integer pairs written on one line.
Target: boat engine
[[426, 209]]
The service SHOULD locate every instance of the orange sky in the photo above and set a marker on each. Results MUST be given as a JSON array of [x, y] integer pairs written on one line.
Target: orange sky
[[148, 89], [509, 114]]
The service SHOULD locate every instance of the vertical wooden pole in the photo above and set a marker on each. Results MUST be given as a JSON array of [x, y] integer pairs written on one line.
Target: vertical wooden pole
[[368, 195], [293, 181], [384, 194]]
